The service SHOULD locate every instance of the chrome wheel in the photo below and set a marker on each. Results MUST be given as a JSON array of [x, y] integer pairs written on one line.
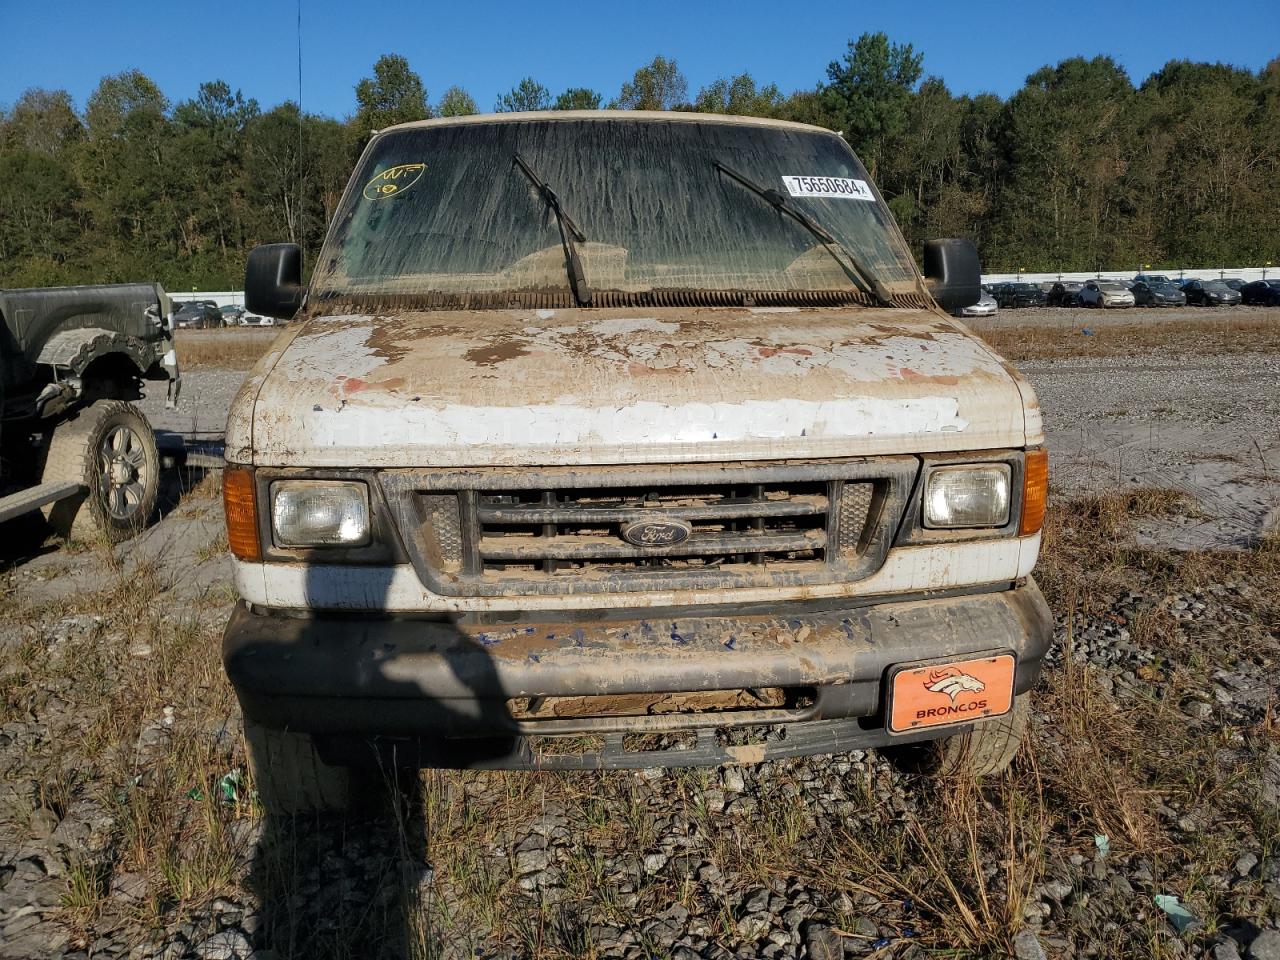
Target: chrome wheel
[[122, 461]]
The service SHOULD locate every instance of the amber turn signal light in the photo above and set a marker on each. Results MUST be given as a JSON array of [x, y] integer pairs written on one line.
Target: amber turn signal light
[[1035, 491], [240, 506]]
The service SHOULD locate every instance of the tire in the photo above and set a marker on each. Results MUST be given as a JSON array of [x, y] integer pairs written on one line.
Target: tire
[[985, 750], [293, 779], [110, 448], [289, 775]]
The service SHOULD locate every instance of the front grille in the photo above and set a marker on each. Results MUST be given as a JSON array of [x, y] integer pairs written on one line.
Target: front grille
[[560, 530], [567, 532]]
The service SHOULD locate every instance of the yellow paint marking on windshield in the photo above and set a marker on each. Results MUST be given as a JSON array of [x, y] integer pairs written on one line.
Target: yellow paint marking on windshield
[[394, 181]]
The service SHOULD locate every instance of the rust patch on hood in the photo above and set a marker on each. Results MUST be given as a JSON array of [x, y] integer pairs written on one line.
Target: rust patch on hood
[[494, 353]]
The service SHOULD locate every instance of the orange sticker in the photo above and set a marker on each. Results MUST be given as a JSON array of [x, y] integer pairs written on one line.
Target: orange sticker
[[959, 692]]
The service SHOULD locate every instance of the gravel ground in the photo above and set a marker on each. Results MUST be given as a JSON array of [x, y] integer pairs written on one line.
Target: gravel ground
[[1168, 785], [1152, 771]]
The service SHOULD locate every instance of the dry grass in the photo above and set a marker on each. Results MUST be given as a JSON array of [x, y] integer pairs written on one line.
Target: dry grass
[[1209, 337], [227, 349], [954, 875]]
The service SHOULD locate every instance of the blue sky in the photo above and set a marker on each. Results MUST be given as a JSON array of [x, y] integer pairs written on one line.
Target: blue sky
[[488, 47]]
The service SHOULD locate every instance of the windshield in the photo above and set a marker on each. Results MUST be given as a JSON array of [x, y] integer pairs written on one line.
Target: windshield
[[1024, 287], [1163, 288], [447, 210], [1111, 286], [1217, 286]]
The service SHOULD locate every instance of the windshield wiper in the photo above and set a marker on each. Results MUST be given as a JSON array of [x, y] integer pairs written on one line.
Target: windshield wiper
[[863, 278], [570, 235]]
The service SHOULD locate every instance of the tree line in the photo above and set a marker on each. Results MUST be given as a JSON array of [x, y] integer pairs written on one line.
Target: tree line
[[1080, 169]]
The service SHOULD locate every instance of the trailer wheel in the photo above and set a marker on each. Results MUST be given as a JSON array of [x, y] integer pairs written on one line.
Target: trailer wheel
[[110, 448]]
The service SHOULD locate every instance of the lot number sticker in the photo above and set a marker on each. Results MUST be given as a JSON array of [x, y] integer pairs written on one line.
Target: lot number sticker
[[828, 187], [393, 181]]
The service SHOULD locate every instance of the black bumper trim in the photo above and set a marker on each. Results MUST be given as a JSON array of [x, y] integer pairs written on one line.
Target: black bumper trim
[[803, 739], [405, 677]]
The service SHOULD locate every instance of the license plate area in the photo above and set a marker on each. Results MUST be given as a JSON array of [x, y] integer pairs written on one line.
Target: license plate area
[[943, 693]]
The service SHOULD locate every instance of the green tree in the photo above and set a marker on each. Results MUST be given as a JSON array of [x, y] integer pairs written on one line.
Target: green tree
[[38, 194], [43, 121], [130, 174], [739, 95], [210, 130], [456, 102], [807, 106], [868, 92], [1066, 142], [118, 98], [1210, 140], [394, 94], [659, 85], [577, 98], [526, 95]]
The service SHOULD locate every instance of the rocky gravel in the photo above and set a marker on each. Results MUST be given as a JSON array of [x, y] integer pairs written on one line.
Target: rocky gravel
[[1142, 820], [816, 857]]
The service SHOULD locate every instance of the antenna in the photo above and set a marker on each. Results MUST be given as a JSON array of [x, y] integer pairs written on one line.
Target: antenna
[[301, 166]]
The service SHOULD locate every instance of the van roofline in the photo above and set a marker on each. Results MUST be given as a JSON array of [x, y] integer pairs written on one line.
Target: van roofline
[[670, 116]]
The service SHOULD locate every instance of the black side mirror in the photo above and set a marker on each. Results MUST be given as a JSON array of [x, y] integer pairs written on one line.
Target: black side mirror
[[953, 273], [273, 280]]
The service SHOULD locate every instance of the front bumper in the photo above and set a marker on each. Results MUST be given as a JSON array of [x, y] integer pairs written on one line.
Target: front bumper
[[442, 688]]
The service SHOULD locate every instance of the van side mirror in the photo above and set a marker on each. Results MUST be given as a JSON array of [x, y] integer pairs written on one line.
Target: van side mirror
[[273, 280], [953, 273]]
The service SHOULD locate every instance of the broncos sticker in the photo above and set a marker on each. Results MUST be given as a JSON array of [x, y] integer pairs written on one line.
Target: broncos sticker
[[937, 694], [953, 683]]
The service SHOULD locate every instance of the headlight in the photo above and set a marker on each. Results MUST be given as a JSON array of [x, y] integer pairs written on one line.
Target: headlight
[[319, 513], [976, 495]]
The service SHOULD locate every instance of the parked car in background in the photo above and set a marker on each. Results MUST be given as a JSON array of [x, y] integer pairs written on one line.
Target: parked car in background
[[1105, 293], [1235, 283], [232, 316], [1155, 293], [197, 313], [1264, 293], [1065, 293], [1210, 293], [985, 307], [1152, 278], [1127, 284], [1009, 295]]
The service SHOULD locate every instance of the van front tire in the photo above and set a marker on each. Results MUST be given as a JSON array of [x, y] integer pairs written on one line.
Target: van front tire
[[292, 778], [985, 750]]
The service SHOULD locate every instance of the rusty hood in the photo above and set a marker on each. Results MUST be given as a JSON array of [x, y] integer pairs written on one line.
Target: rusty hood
[[512, 387]]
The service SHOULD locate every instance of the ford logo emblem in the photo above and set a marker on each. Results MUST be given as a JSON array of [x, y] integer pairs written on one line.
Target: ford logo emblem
[[656, 533]]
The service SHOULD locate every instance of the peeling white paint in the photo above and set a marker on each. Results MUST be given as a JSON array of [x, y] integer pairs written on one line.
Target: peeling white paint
[[641, 423], [623, 325], [341, 352], [498, 387]]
